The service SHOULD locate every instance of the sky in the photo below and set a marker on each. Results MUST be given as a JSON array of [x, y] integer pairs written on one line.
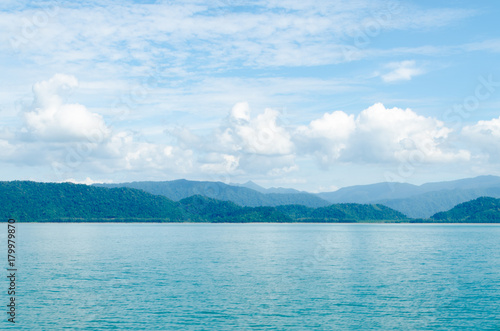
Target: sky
[[313, 95]]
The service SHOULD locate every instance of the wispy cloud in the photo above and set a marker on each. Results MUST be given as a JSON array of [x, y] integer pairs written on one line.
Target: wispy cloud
[[399, 71], [184, 68]]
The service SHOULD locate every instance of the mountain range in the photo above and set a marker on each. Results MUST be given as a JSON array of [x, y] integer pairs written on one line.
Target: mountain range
[[65, 202], [180, 189], [418, 201], [414, 201], [28, 201], [484, 210]]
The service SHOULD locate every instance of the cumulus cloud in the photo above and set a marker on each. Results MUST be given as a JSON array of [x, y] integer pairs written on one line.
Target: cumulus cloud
[[127, 151], [240, 140], [244, 143], [395, 134], [400, 71], [75, 141], [215, 163], [484, 137], [377, 134], [53, 120], [243, 133], [327, 136], [259, 135]]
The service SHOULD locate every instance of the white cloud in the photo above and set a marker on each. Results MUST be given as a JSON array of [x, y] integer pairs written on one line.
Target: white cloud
[[52, 119], [334, 126], [87, 181], [265, 34], [215, 163], [241, 112], [244, 143], [327, 137], [491, 45], [127, 151], [243, 133], [267, 166], [240, 140], [6, 148], [484, 137], [377, 135], [384, 134], [74, 141], [399, 71], [259, 135]]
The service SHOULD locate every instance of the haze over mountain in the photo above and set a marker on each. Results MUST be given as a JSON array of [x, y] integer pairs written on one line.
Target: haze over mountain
[[412, 200], [258, 188], [418, 201], [243, 196], [65, 202]]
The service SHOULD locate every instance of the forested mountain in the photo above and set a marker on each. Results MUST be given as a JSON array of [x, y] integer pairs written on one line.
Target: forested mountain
[[342, 212], [41, 202], [31, 201], [412, 200], [50, 202], [418, 201], [210, 210], [243, 196], [427, 204], [481, 210]]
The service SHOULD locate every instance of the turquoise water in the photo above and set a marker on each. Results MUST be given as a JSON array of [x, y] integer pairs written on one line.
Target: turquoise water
[[256, 277]]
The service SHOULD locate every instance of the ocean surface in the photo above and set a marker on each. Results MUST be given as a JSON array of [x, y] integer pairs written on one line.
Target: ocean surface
[[255, 277]]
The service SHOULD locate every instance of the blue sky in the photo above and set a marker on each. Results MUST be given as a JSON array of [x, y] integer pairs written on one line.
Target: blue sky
[[315, 95]]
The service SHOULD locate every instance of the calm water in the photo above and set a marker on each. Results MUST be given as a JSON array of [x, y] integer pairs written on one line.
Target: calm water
[[256, 277]]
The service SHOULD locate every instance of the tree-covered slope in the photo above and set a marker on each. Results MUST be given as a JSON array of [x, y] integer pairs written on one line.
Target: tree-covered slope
[[203, 209], [426, 204], [31, 201], [64, 202], [418, 201], [243, 196], [344, 212], [481, 210]]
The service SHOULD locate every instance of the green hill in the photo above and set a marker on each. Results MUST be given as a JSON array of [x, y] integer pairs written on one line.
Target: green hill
[[344, 212], [481, 210], [418, 201], [65, 202], [210, 210], [52, 202]]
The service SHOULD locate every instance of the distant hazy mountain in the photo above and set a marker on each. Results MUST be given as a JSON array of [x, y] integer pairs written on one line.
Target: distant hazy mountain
[[368, 193], [481, 210], [65, 202], [418, 201], [258, 188], [181, 189], [251, 185], [426, 204]]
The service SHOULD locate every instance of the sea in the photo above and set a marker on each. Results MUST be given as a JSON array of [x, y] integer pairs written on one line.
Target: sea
[[187, 276]]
